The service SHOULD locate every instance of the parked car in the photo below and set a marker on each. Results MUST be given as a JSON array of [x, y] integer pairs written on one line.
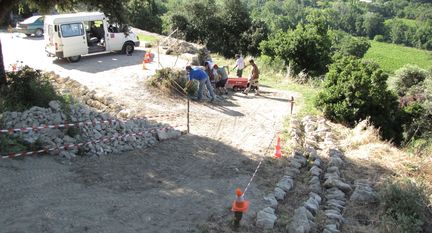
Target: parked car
[[33, 25]]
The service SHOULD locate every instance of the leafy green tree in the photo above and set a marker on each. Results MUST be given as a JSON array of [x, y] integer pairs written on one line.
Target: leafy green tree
[[373, 24], [236, 21], [345, 44], [278, 15], [146, 15], [306, 47], [253, 36], [355, 90], [423, 36], [347, 17]]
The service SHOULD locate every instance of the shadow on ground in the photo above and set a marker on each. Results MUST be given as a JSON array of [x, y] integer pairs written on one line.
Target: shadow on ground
[[171, 187], [102, 62]]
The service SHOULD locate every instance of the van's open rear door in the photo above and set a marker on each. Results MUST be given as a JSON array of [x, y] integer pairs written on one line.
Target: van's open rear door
[[73, 39]]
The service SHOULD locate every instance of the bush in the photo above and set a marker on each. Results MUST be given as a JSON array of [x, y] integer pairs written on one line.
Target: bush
[[173, 81], [27, 88], [407, 77], [404, 203], [417, 108], [346, 45], [379, 38], [354, 90]]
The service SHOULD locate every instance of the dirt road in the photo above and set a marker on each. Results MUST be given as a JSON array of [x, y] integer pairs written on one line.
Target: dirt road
[[174, 186]]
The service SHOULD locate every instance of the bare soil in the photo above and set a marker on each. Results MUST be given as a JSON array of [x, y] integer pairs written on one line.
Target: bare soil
[[176, 186]]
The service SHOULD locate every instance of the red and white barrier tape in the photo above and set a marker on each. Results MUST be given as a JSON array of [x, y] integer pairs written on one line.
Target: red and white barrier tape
[[68, 146], [80, 124]]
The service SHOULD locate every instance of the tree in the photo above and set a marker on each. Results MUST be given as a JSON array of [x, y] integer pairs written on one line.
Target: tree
[[145, 15], [373, 24], [355, 90], [345, 44], [306, 47], [236, 21], [112, 8]]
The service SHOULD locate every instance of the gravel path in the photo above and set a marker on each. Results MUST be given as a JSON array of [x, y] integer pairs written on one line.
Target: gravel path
[[172, 187]]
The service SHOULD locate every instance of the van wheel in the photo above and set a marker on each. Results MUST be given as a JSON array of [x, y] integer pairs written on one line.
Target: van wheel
[[74, 58], [128, 48], [39, 32], [28, 35]]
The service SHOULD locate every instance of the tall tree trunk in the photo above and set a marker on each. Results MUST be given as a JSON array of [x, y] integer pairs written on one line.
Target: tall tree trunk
[[2, 69], [5, 7]]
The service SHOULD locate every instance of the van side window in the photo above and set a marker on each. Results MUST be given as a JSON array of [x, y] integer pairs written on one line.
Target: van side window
[[72, 29]]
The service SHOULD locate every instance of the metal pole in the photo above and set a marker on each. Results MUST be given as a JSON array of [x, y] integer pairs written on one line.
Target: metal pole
[[158, 53], [188, 127], [292, 104]]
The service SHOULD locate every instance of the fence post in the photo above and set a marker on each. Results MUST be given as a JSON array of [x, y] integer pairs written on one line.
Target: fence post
[[292, 104], [188, 127]]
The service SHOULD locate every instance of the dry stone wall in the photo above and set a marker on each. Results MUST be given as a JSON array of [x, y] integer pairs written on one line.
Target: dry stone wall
[[315, 148]]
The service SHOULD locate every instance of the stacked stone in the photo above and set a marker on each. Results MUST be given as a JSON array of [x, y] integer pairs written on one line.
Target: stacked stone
[[53, 138], [66, 85], [335, 188], [267, 217], [363, 193], [304, 217]]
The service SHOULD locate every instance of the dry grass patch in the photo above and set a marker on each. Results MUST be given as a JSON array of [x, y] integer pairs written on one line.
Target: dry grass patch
[[384, 166]]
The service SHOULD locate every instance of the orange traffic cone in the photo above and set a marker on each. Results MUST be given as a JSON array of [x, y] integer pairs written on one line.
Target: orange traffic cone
[[239, 206], [278, 153]]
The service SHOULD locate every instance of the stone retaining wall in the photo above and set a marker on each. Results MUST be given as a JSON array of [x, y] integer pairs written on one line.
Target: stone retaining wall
[[315, 147]]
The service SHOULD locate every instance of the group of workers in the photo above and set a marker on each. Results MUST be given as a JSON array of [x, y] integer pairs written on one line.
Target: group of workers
[[214, 76]]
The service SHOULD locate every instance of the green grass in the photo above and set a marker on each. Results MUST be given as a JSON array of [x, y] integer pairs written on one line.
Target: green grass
[[392, 57], [147, 38], [307, 93]]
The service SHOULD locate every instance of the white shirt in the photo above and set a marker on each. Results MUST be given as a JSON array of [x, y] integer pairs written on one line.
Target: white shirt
[[240, 63]]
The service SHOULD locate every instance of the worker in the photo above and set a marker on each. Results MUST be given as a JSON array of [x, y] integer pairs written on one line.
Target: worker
[[203, 79], [221, 78], [240, 65], [253, 78]]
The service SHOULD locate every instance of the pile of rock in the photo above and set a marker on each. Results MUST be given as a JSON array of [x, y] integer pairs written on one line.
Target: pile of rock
[[112, 138], [68, 86]]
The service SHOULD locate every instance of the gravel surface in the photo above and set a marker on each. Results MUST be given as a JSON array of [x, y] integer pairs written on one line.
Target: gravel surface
[[174, 186]]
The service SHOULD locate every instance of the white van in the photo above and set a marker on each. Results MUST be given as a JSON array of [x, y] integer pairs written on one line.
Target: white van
[[72, 35]]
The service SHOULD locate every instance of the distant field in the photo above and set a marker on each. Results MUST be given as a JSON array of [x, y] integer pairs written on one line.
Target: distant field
[[392, 57]]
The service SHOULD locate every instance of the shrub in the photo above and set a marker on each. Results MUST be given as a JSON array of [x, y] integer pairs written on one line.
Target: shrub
[[345, 44], [27, 88], [354, 90], [404, 203], [173, 81], [407, 77], [417, 106], [379, 38]]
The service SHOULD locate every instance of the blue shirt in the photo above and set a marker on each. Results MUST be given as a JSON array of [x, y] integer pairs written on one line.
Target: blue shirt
[[197, 74]]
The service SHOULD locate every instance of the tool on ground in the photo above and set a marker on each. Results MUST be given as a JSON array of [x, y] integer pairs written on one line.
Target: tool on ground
[[239, 206], [278, 153]]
